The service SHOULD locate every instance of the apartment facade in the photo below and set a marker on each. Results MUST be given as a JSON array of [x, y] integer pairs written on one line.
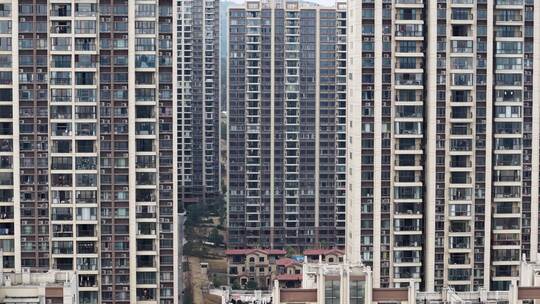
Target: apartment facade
[[198, 67], [286, 125], [55, 287], [88, 145], [443, 132]]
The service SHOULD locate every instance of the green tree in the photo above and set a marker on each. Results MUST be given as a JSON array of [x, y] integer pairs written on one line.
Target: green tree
[[236, 286], [194, 214], [251, 285], [290, 251], [215, 237]]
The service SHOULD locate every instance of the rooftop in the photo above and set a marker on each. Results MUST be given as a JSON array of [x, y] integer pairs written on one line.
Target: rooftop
[[255, 250]]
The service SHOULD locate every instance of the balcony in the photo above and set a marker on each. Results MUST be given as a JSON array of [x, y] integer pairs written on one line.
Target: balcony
[[62, 230], [86, 163], [6, 229], [408, 128], [506, 239], [63, 263], [508, 31], [60, 10], [408, 225], [408, 240], [61, 163], [146, 229], [145, 112], [87, 281], [460, 226], [507, 176], [86, 180], [462, 14], [506, 223], [407, 257], [460, 162], [86, 214], [409, 14], [409, 1], [409, 30], [407, 272], [62, 214], [62, 247], [146, 178], [61, 180], [60, 112], [460, 178], [506, 271], [60, 78], [145, 245], [459, 194], [507, 160], [506, 208], [146, 261], [462, 46], [506, 255], [60, 95], [85, 44], [409, 79], [508, 15], [462, 79], [86, 129], [145, 128], [408, 177], [459, 242], [61, 27], [145, 195], [85, 61], [508, 96], [145, 145], [146, 278], [409, 96], [61, 61], [508, 127], [86, 95], [6, 213], [86, 231], [461, 113], [408, 192], [408, 208], [86, 264], [507, 192], [145, 161], [146, 294], [459, 259], [85, 247], [459, 274]]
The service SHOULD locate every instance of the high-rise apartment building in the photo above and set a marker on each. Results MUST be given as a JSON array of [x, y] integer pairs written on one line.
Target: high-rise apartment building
[[444, 129], [198, 100], [286, 125], [88, 144]]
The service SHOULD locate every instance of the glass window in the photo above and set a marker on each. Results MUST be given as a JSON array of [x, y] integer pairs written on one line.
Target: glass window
[[356, 292], [332, 291]]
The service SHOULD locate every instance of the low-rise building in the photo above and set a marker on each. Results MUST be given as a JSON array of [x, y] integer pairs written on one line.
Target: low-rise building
[[252, 265], [330, 256], [289, 273], [53, 287], [263, 266], [345, 283]]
